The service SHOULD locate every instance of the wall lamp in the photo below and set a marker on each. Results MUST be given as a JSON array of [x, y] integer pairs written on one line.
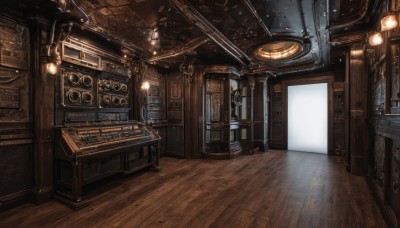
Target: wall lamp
[[388, 21], [51, 68], [145, 85], [375, 38], [52, 56]]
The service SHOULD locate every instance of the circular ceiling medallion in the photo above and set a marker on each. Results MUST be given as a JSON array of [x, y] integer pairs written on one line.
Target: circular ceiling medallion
[[278, 50]]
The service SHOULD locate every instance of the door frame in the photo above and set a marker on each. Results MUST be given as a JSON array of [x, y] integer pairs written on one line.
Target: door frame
[[329, 79]]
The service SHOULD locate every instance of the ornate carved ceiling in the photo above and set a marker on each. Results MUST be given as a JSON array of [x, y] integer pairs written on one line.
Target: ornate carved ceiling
[[168, 32]]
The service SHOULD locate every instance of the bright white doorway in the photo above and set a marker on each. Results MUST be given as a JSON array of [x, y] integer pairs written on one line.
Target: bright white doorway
[[308, 118]]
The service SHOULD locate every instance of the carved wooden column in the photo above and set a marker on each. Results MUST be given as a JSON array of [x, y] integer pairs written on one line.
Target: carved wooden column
[[358, 102], [196, 112], [192, 100], [251, 85], [43, 115], [260, 110]]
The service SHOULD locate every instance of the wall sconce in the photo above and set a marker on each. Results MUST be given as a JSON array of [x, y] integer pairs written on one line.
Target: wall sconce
[[389, 21], [375, 39], [52, 57]]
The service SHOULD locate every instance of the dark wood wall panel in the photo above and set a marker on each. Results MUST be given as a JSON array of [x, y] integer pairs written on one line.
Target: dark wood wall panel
[[16, 167], [358, 83], [157, 95], [44, 117], [196, 111], [384, 156], [339, 117], [358, 147], [157, 99], [394, 176], [14, 81], [175, 97], [277, 135], [16, 115], [278, 110], [175, 107], [261, 114], [276, 116], [378, 165], [175, 146], [162, 131]]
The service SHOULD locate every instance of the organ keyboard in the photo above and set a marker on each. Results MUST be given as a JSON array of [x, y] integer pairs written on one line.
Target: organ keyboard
[[89, 152]]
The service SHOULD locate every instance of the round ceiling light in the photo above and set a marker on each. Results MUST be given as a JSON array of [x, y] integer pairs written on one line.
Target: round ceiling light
[[278, 50]]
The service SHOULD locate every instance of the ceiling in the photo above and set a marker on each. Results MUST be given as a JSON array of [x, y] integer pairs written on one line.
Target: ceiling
[[169, 32]]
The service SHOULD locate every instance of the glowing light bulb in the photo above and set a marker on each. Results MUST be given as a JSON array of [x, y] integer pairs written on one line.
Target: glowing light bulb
[[376, 39], [145, 85], [51, 68], [388, 22]]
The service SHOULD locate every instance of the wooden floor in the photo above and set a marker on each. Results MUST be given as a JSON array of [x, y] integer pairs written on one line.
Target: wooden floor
[[274, 189]]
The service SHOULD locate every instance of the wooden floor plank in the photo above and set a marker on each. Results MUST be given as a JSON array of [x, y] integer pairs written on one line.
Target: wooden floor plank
[[273, 189]]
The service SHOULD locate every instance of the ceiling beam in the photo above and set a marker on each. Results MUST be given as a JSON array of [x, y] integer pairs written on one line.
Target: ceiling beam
[[195, 17], [181, 49]]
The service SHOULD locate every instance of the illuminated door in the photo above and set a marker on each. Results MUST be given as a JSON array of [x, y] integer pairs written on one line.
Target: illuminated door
[[308, 118]]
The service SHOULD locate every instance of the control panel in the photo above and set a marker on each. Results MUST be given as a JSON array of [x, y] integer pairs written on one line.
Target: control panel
[[113, 93], [83, 87], [79, 87], [84, 139]]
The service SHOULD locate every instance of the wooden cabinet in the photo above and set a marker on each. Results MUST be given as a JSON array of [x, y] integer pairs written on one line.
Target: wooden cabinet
[[228, 100], [86, 154]]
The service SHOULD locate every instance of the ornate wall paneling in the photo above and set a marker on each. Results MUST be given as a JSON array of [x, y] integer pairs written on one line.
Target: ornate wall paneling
[[384, 166], [175, 107], [378, 76], [14, 97], [393, 193], [395, 78], [336, 109], [379, 171], [214, 103], [385, 121], [276, 118], [339, 145], [156, 98], [156, 95], [359, 107], [16, 133]]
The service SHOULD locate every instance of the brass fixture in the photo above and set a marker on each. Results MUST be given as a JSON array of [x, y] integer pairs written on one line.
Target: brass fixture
[[278, 50]]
